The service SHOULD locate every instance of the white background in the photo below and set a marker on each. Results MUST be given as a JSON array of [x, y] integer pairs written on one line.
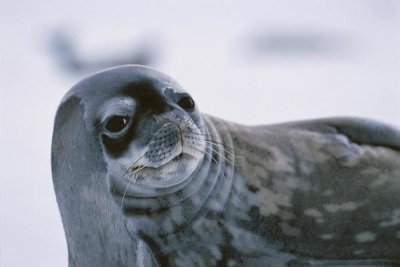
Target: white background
[[208, 47]]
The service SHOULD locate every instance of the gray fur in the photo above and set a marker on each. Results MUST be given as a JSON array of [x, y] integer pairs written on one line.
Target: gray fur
[[312, 193]]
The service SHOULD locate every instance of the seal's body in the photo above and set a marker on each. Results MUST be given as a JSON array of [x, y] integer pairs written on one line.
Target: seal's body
[[143, 178]]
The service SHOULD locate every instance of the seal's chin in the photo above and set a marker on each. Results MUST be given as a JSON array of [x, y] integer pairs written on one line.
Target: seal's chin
[[146, 181]]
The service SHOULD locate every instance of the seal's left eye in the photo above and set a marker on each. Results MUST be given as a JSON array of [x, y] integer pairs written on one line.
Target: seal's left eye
[[117, 123], [186, 103]]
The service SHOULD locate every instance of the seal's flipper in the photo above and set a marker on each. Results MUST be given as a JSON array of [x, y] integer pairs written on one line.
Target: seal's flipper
[[363, 131], [358, 131], [344, 263]]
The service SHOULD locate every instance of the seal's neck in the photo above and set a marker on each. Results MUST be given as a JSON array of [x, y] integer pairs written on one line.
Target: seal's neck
[[223, 162]]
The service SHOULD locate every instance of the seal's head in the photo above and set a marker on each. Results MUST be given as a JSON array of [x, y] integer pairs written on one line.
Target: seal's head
[[150, 130]]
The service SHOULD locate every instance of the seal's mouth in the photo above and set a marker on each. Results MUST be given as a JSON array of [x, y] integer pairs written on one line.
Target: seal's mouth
[[174, 160], [153, 181]]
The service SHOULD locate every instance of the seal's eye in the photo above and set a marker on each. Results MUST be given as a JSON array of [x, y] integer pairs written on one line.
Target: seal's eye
[[117, 123], [186, 103]]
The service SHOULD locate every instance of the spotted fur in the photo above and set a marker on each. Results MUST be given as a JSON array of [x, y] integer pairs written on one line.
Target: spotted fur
[[312, 193]]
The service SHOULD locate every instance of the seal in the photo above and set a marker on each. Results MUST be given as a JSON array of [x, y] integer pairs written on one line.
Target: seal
[[143, 178]]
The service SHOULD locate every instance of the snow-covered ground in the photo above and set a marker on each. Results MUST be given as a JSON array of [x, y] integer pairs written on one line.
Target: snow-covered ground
[[254, 62]]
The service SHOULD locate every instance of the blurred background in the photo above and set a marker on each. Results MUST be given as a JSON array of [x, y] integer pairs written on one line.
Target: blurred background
[[253, 62]]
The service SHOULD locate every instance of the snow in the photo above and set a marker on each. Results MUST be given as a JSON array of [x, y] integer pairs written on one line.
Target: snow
[[254, 62]]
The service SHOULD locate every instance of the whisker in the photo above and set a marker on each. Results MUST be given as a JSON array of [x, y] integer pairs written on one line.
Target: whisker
[[213, 159], [218, 164], [223, 156], [123, 196], [208, 136], [138, 170], [132, 165], [224, 147], [231, 153], [188, 123], [127, 186]]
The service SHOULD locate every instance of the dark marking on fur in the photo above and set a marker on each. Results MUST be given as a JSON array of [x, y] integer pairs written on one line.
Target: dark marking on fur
[[149, 103], [252, 188], [156, 249]]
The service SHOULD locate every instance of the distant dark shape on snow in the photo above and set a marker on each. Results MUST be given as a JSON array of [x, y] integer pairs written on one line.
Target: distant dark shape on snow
[[65, 49], [305, 43]]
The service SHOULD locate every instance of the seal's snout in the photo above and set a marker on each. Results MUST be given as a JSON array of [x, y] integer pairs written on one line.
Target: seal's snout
[[164, 145], [173, 141]]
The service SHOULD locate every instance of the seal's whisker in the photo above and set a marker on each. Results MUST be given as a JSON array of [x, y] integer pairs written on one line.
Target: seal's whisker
[[123, 196], [209, 136], [219, 164], [227, 151], [222, 146], [209, 153], [129, 181], [138, 170], [188, 123], [220, 153], [132, 165]]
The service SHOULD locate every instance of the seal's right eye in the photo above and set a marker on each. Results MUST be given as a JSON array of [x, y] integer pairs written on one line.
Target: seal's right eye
[[116, 123]]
